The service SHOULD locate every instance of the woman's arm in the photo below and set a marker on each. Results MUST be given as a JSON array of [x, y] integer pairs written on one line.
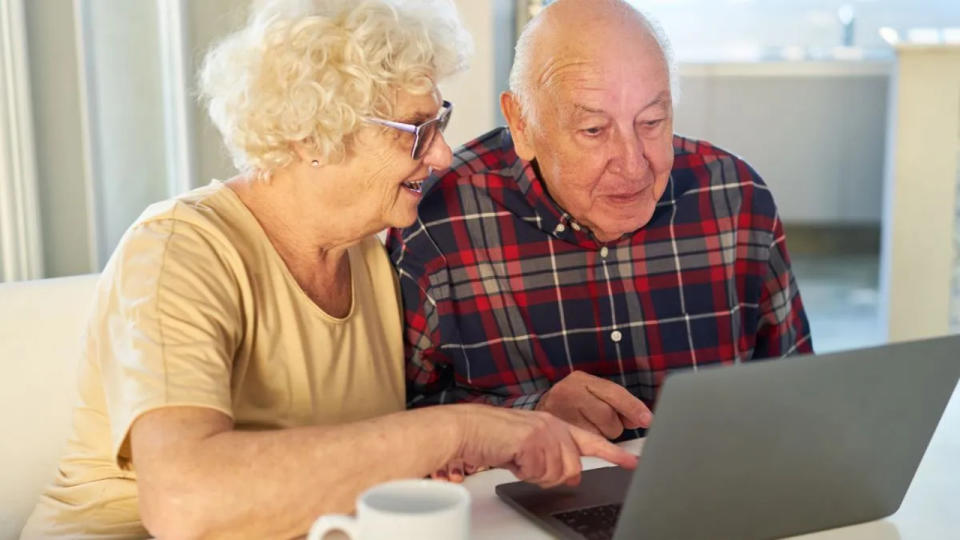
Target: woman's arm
[[197, 477]]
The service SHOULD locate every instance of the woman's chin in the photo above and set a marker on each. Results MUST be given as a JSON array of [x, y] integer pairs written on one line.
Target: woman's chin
[[404, 220]]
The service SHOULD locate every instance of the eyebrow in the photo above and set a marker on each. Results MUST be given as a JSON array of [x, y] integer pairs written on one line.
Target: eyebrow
[[590, 110], [421, 117], [418, 118]]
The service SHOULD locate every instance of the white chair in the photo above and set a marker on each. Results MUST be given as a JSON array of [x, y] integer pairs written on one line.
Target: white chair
[[40, 328]]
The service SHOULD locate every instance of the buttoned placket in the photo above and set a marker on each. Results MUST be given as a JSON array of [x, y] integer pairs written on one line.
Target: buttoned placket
[[615, 335]]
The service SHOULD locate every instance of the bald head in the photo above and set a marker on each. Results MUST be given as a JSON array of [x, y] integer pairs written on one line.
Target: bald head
[[591, 103], [576, 33]]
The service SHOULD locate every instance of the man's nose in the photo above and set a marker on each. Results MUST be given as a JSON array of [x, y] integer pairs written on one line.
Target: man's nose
[[438, 156], [628, 157]]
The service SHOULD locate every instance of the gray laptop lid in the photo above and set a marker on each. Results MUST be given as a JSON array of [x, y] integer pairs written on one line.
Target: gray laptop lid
[[784, 447]]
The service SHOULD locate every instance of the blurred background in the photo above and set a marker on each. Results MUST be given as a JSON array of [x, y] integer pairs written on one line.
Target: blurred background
[[850, 110]]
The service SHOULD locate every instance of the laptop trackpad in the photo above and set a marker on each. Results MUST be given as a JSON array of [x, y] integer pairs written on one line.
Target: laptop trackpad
[[597, 487]]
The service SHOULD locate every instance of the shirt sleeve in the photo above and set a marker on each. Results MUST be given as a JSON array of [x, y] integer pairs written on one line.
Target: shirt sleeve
[[171, 325], [428, 323], [428, 369], [782, 329]]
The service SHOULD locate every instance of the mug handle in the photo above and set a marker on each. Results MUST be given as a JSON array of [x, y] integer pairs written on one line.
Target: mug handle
[[333, 522]]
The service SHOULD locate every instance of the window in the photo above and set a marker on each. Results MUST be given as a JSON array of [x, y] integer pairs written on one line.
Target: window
[[759, 30]]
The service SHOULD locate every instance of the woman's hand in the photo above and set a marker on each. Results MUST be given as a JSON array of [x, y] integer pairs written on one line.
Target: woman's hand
[[536, 446], [456, 471]]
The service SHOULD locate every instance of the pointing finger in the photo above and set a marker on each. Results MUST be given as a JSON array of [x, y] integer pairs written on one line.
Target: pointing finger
[[596, 446]]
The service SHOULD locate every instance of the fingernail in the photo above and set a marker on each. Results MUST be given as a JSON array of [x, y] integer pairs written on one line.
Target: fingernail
[[457, 471]]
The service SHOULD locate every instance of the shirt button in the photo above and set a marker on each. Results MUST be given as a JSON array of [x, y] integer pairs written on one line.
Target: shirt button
[[560, 228], [575, 225], [616, 336], [603, 254]]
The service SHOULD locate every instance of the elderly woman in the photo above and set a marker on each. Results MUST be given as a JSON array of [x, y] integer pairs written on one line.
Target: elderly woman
[[243, 369]]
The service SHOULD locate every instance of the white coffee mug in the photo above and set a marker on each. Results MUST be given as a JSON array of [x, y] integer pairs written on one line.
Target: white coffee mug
[[404, 510]]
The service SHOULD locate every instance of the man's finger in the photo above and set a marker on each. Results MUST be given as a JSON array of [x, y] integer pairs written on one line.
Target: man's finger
[[606, 420], [596, 446], [635, 412], [584, 423], [629, 424]]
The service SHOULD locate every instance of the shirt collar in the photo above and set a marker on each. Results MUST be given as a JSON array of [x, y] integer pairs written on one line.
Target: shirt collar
[[541, 209]]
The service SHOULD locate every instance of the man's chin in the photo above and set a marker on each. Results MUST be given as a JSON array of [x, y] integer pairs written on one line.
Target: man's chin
[[620, 223]]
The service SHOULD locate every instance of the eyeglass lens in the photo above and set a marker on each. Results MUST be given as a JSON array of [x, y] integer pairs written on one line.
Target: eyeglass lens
[[427, 132]]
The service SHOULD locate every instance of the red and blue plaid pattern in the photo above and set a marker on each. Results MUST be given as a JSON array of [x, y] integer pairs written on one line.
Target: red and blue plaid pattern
[[505, 294]]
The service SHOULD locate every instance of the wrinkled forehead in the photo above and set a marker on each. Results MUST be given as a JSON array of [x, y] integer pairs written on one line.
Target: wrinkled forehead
[[611, 81]]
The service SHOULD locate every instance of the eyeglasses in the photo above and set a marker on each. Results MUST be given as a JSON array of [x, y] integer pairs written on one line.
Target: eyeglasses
[[423, 133]]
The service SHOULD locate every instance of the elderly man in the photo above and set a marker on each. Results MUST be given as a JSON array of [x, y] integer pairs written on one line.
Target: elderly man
[[573, 261]]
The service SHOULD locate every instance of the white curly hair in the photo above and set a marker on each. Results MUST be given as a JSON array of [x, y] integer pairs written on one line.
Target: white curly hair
[[308, 71]]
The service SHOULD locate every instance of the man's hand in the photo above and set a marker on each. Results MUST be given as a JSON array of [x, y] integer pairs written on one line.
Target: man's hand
[[537, 447], [596, 405]]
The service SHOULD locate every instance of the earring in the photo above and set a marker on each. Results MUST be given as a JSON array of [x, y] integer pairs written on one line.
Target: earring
[[315, 164]]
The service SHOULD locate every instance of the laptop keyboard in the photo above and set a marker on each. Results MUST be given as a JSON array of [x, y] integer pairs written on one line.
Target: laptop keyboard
[[594, 523]]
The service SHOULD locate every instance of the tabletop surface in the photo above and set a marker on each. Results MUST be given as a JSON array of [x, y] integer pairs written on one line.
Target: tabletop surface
[[930, 509]]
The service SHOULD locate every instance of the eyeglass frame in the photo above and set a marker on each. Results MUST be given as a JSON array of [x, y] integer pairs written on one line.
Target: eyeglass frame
[[443, 115]]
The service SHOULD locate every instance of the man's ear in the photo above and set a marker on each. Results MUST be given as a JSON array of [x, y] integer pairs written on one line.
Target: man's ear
[[519, 128]]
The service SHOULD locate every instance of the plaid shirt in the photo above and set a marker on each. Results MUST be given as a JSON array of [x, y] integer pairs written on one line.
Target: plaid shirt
[[505, 294]]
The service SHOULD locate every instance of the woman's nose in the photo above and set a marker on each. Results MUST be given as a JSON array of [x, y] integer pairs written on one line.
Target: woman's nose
[[438, 156]]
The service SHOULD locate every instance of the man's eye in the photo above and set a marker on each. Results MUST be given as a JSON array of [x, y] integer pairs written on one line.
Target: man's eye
[[592, 131], [653, 123]]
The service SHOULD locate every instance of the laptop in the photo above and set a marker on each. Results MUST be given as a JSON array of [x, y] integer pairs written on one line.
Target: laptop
[[765, 449]]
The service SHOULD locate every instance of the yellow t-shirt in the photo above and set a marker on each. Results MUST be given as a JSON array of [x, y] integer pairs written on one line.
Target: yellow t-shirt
[[197, 308]]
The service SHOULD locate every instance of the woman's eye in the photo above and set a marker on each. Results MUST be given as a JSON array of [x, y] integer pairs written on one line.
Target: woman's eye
[[653, 123], [592, 131]]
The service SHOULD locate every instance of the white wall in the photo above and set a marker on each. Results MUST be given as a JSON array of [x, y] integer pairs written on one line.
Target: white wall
[[475, 92], [814, 132]]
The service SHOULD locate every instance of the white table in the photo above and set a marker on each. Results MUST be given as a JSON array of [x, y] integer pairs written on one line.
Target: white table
[[930, 510]]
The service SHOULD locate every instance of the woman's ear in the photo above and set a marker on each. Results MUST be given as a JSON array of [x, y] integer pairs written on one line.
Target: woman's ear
[[519, 128], [306, 154], [303, 151]]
